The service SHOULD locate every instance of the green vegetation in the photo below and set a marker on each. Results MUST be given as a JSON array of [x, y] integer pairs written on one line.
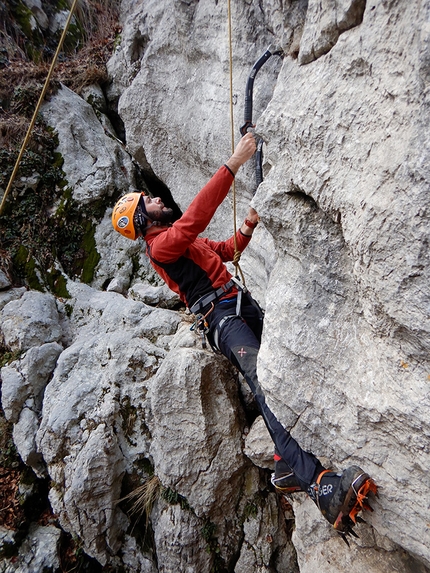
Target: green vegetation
[[44, 233], [36, 234], [174, 498], [91, 257], [213, 547], [250, 511], [91, 23], [7, 356]]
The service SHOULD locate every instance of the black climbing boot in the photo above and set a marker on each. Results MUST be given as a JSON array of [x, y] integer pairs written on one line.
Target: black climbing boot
[[284, 479], [341, 496]]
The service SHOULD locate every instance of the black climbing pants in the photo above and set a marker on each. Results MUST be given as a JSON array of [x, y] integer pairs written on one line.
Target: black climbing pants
[[239, 340]]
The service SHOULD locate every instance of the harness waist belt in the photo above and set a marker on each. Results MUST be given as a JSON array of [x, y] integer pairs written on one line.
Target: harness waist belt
[[206, 299]]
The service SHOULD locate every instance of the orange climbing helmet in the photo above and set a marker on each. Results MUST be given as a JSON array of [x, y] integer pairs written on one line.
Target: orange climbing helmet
[[129, 216]]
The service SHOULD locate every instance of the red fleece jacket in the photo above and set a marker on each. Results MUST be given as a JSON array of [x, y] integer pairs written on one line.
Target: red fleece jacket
[[193, 266]]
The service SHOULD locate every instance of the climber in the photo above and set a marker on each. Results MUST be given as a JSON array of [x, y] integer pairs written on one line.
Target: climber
[[194, 268]]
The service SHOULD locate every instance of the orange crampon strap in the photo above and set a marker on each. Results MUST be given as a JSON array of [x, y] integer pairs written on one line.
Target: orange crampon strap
[[317, 487], [321, 475], [368, 486]]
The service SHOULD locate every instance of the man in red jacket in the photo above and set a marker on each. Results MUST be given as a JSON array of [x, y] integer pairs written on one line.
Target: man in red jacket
[[194, 268]]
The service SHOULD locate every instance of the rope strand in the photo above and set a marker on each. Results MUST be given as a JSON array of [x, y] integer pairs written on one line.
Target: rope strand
[[237, 253], [36, 111]]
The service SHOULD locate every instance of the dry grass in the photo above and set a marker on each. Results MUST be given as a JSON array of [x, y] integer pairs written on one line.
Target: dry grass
[[142, 498]]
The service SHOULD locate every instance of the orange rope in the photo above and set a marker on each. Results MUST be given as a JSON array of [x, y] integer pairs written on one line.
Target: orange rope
[[237, 253]]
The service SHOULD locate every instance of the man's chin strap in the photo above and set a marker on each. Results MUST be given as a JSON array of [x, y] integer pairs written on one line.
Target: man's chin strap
[[145, 223], [152, 223]]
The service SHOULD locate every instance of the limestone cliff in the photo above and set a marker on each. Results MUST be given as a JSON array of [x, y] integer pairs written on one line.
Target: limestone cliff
[[112, 396]]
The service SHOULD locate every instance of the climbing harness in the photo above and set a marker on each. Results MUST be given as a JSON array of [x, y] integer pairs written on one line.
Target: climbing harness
[[201, 325], [200, 306], [39, 103], [201, 311], [271, 51], [206, 304]]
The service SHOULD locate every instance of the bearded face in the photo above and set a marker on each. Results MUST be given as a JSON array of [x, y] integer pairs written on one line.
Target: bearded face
[[163, 216]]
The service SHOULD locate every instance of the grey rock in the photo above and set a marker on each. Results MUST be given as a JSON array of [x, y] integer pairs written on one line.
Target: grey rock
[[259, 445], [24, 434], [154, 295], [95, 164], [23, 386], [57, 21], [14, 392], [38, 552], [28, 377], [346, 356], [10, 294], [266, 542], [325, 21], [134, 558], [93, 427], [4, 281], [196, 439], [32, 320], [118, 284], [94, 95], [40, 15], [179, 548]]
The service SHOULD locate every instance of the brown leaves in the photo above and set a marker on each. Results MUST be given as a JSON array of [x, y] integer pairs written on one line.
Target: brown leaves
[[11, 512]]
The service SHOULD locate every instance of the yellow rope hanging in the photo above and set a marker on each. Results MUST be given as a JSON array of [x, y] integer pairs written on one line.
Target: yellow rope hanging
[[39, 103], [237, 253]]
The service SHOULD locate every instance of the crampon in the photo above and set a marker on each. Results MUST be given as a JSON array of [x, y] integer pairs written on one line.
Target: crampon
[[356, 501], [341, 496]]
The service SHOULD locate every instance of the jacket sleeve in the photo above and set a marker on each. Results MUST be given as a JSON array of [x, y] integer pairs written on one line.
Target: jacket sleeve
[[171, 244], [225, 249]]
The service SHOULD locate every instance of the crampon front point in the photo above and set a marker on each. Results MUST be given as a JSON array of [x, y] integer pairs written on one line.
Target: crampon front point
[[356, 500]]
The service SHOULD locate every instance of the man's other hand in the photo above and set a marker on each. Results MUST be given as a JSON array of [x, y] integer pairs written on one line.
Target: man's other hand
[[253, 216]]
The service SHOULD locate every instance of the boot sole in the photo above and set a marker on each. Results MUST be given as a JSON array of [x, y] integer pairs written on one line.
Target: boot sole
[[285, 490]]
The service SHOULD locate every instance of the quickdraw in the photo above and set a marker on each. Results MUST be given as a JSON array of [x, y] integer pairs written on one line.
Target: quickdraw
[[201, 326], [271, 51]]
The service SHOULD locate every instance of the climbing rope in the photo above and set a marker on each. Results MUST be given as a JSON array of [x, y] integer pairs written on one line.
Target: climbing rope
[[39, 103], [237, 253]]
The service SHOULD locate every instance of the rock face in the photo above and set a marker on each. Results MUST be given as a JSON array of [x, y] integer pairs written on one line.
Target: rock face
[[89, 415], [353, 337], [111, 395], [95, 165]]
